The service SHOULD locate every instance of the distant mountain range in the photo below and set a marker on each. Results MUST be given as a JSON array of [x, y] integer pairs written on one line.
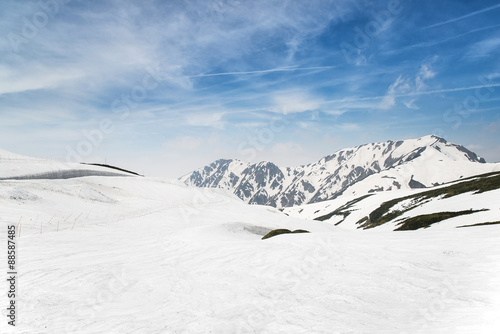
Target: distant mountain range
[[375, 167]]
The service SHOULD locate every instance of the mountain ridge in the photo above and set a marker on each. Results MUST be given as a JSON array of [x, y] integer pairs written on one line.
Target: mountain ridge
[[410, 163]]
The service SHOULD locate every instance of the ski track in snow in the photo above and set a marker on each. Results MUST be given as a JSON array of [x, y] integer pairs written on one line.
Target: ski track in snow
[[144, 255]]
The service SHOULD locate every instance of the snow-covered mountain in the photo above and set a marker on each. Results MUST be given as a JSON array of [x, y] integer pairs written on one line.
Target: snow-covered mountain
[[471, 201], [405, 164]]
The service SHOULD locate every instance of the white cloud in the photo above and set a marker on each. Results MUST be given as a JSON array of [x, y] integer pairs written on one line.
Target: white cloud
[[294, 102], [424, 73], [402, 85], [387, 102], [35, 77], [408, 86], [410, 104], [205, 119]]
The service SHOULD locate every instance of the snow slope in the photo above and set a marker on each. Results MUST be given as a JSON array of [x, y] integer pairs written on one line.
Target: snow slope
[[15, 166], [374, 167], [348, 210], [144, 255], [148, 255]]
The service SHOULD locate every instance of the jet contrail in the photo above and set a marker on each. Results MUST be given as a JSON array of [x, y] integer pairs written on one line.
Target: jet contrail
[[451, 90], [463, 17], [437, 91], [282, 69]]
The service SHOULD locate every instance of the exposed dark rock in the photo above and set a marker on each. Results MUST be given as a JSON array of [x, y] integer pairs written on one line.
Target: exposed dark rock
[[470, 155], [413, 184], [307, 186]]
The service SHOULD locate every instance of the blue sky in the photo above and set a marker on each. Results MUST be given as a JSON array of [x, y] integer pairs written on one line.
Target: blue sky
[[164, 87]]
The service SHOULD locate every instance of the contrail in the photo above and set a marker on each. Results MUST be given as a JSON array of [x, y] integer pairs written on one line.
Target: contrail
[[437, 91], [451, 90], [428, 44], [283, 69], [463, 17]]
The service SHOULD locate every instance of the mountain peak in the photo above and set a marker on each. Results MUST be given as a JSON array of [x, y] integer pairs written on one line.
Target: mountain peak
[[440, 139]]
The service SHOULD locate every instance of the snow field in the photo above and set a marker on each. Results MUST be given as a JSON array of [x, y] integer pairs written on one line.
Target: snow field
[[187, 260], [15, 165]]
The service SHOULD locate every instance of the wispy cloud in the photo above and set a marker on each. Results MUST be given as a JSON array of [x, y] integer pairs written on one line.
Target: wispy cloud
[[484, 48], [34, 77], [410, 104], [349, 127], [408, 86], [402, 85], [349, 100], [428, 44], [423, 74], [228, 67], [289, 103], [206, 119]]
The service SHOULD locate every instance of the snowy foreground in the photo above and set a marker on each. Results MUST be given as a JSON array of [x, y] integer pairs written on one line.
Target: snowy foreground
[[142, 255]]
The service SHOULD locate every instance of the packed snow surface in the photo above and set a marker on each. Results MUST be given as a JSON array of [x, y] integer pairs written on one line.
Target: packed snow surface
[[142, 255], [15, 166]]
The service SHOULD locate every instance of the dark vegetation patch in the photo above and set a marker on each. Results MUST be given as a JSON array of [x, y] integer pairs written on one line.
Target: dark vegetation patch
[[476, 184], [279, 231], [474, 177], [424, 221], [343, 210], [480, 224], [362, 220]]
